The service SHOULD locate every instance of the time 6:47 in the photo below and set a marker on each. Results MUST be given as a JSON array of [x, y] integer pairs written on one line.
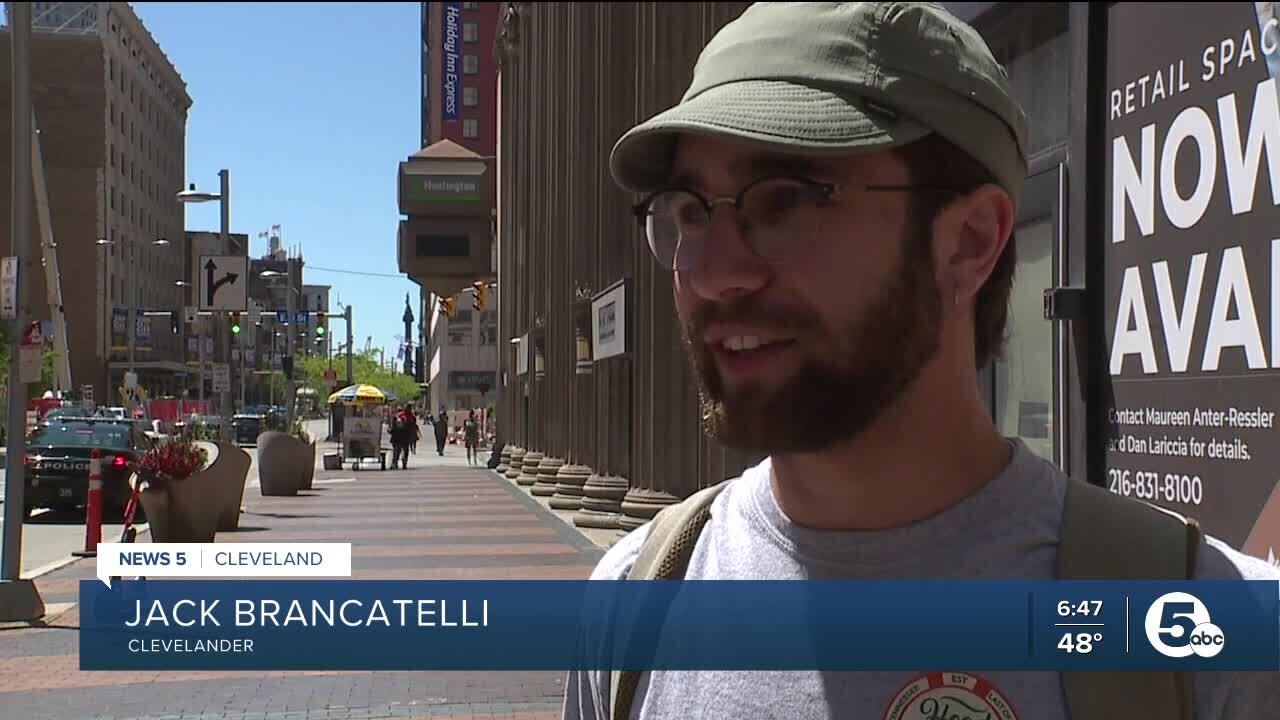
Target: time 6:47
[[1090, 608]]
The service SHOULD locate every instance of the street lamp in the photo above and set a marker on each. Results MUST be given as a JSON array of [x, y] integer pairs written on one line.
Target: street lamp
[[290, 305], [191, 195], [132, 316]]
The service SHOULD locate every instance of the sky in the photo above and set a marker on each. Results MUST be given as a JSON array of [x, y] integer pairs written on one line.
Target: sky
[[310, 106]]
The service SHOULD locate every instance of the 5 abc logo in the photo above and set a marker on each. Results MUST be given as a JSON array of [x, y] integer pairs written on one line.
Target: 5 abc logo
[[1178, 626]]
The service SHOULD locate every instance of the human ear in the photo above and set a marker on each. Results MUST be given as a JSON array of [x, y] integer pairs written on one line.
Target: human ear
[[970, 235]]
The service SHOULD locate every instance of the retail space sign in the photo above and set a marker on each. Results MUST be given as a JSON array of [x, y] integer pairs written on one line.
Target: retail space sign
[[609, 322], [1192, 257], [451, 77]]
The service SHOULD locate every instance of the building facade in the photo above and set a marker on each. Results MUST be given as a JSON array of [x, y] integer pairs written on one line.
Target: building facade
[[112, 179], [1144, 314], [462, 355], [458, 357]]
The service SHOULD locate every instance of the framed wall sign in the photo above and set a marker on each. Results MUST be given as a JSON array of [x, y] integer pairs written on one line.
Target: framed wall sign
[[522, 355], [609, 321]]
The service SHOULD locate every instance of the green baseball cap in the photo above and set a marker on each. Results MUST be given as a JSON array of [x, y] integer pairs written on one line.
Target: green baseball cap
[[839, 78]]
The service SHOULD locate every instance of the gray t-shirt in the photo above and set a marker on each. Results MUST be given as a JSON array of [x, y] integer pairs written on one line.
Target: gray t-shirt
[[1008, 530]]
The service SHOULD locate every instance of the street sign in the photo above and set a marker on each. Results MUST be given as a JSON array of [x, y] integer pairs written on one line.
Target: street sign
[[255, 313], [192, 313], [9, 288], [33, 336], [282, 317], [223, 282], [130, 380], [29, 363], [221, 378], [303, 317]]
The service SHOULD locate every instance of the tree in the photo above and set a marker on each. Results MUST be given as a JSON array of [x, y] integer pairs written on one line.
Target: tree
[[309, 372]]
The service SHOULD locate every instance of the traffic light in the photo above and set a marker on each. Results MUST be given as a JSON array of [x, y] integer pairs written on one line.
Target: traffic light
[[481, 298], [235, 323], [447, 307], [175, 323], [321, 319]]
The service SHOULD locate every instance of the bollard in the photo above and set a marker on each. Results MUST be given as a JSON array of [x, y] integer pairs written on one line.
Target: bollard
[[93, 513]]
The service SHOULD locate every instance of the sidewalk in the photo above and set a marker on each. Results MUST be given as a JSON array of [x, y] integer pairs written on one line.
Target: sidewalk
[[438, 520]]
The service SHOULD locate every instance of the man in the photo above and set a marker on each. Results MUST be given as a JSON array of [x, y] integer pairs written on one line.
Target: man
[[442, 431], [835, 196], [471, 434]]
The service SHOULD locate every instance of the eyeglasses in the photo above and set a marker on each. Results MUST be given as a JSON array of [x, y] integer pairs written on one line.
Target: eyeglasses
[[778, 218]]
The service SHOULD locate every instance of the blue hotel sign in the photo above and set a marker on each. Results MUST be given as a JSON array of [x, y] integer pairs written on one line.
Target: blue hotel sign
[[452, 59]]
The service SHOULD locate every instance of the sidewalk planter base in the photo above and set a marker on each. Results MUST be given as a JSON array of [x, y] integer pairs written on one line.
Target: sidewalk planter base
[[569, 484], [517, 463], [505, 463], [602, 502], [529, 469], [283, 467], [548, 469]]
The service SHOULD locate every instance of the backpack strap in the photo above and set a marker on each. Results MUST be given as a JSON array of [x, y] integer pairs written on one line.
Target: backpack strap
[[664, 555], [1109, 537]]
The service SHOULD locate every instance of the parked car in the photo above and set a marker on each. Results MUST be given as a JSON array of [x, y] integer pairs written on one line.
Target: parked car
[[247, 428], [57, 462]]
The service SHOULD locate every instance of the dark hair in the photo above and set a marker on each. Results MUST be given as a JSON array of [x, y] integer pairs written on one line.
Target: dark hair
[[934, 161]]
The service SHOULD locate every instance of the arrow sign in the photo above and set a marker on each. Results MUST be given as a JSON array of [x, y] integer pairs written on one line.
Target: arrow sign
[[211, 268], [219, 286]]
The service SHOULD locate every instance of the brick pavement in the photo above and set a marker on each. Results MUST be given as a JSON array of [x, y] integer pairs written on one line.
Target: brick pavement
[[439, 520]]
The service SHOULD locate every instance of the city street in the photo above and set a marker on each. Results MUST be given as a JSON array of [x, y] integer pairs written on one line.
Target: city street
[[49, 538], [438, 520]]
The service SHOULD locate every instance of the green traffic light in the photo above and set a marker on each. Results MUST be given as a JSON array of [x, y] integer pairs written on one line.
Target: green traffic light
[[320, 330], [235, 329]]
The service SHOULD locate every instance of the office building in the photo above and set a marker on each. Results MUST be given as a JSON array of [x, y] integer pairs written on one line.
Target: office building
[[458, 357], [112, 113], [1143, 310]]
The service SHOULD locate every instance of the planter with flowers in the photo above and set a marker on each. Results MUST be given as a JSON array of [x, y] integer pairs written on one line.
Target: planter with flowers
[[181, 502]]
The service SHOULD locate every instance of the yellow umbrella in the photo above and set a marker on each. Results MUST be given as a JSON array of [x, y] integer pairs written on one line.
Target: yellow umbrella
[[361, 395]]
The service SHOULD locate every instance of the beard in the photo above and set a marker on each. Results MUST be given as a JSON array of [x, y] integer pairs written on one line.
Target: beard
[[851, 373]]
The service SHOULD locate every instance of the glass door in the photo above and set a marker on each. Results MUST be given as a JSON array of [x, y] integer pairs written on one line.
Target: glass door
[[1025, 386]]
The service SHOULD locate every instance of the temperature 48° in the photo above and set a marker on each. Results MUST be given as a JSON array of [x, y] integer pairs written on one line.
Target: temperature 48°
[[1081, 643]]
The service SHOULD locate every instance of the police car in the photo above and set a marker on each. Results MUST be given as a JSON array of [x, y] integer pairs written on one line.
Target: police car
[[57, 462]]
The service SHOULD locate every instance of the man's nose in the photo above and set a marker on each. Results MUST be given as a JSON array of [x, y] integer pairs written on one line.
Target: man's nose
[[725, 266]]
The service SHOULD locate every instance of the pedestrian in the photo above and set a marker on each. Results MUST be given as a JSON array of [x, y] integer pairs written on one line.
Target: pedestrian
[[416, 433], [399, 441], [471, 434], [442, 431], [835, 198]]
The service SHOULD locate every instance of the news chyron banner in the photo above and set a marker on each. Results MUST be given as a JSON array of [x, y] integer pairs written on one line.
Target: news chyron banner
[[1192, 259], [178, 624]]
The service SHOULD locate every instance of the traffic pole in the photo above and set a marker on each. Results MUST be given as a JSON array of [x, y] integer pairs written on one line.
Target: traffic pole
[[93, 514]]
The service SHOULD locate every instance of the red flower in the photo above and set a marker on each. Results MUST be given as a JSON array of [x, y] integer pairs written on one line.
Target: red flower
[[175, 459]]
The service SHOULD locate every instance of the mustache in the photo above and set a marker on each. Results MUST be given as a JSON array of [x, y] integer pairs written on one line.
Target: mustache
[[748, 311]]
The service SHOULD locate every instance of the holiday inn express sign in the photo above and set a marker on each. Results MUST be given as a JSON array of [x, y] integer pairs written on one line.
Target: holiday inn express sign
[[1192, 257]]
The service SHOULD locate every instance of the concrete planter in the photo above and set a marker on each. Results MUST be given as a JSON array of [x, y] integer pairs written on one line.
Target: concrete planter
[[185, 511], [228, 469], [285, 464], [309, 458]]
